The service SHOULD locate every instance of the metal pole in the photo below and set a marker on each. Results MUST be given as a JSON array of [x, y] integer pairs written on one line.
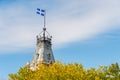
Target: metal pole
[[45, 19], [44, 29]]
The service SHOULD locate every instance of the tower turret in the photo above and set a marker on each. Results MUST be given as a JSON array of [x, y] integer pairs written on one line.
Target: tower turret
[[43, 53]]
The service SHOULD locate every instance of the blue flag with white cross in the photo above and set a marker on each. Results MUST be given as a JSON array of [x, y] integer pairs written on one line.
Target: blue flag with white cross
[[40, 11]]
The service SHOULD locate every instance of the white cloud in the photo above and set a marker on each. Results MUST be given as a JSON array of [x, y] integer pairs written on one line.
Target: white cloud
[[96, 18], [70, 21]]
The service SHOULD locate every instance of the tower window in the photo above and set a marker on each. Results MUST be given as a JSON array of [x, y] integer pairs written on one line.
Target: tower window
[[48, 55], [37, 55], [47, 46]]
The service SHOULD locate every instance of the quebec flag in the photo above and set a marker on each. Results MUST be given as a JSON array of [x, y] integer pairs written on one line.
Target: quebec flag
[[40, 11]]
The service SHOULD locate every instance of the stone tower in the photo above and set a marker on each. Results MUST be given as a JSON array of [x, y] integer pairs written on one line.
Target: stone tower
[[43, 53]]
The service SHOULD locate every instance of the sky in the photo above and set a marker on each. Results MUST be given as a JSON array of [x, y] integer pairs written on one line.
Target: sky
[[83, 31]]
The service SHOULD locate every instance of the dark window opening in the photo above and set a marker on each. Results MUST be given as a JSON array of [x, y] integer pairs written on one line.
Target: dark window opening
[[48, 56]]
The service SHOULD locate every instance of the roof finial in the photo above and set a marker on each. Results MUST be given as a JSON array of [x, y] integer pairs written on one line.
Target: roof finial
[[44, 29]]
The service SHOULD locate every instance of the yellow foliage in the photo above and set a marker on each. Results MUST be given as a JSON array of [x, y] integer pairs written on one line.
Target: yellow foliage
[[59, 71]]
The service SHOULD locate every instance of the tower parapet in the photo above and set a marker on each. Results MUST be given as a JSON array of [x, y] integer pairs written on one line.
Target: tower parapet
[[44, 36]]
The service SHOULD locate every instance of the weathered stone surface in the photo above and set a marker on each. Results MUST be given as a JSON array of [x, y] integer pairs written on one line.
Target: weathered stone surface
[[43, 52]]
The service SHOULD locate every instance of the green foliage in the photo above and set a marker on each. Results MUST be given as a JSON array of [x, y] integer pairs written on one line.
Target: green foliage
[[59, 71]]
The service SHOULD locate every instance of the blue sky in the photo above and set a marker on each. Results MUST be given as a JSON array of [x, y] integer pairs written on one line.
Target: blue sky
[[87, 32]]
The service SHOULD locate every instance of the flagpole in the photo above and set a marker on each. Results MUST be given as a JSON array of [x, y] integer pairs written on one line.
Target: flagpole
[[45, 19], [44, 29]]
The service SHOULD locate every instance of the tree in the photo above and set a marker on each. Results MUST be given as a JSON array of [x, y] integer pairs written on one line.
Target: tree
[[59, 71]]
